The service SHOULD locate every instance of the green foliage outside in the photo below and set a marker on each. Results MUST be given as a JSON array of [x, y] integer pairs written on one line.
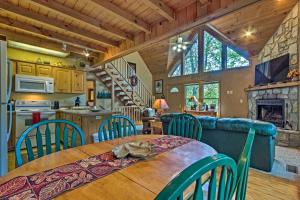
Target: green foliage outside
[[212, 53], [177, 71], [234, 59], [191, 90], [211, 93], [190, 61]]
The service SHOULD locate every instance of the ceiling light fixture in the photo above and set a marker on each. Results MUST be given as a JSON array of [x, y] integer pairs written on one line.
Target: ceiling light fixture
[[86, 53], [179, 45], [64, 46]]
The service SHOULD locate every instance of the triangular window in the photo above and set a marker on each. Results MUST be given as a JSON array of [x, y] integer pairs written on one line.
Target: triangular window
[[212, 53], [235, 59], [190, 61], [177, 70]]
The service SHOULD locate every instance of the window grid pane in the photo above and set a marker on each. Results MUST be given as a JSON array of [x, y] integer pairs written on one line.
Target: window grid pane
[[212, 53], [190, 61], [177, 71], [234, 59], [211, 94], [191, 90]]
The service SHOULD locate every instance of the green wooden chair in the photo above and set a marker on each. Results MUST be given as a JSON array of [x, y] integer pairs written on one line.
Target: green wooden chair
[[221, 188], [243, 167], [185, 125], [116, 126], [40, 144]]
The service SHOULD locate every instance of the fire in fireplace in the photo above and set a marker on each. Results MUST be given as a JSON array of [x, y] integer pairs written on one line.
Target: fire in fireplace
[[271, 110]]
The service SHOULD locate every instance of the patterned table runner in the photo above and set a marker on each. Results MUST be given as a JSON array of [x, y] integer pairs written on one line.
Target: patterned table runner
[[50, 183]]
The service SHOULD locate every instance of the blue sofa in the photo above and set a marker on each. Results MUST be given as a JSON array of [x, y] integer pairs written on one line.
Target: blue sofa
[[228, 136]]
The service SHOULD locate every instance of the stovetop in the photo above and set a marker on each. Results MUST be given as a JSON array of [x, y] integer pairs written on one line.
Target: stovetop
[[32, 106]]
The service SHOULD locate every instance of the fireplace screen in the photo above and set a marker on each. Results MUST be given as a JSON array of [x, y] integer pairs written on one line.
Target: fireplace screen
[[271, 110]]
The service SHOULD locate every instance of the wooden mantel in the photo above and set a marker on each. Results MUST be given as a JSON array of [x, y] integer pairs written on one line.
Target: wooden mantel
[[272, 86]]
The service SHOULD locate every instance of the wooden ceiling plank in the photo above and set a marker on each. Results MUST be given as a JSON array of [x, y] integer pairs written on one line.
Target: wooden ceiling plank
[[161, 8], [51, 34], [41, 42], [67, 11], [56, 23], [123, 15], [165, 30]]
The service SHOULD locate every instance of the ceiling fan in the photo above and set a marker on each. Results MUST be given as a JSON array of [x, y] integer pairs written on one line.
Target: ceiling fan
[[180, 45]]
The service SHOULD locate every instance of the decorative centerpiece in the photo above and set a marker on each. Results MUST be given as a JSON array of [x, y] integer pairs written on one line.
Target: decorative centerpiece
[[134, 149], [293, 75]]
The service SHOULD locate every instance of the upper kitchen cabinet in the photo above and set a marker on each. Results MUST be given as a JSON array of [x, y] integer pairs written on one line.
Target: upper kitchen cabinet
[[78, 81], [62, 80], [26, 68], [44, 70]]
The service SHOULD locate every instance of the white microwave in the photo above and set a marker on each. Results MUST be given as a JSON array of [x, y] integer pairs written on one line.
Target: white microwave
[[25, 83]]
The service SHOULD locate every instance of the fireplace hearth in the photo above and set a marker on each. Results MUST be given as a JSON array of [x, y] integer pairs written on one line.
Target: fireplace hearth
[[271, 110]]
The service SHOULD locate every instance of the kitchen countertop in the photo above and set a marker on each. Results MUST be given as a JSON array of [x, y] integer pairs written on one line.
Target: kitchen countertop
[[87, 112]]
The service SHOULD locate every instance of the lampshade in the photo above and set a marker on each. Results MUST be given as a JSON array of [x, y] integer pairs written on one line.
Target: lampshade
[[160, 104]]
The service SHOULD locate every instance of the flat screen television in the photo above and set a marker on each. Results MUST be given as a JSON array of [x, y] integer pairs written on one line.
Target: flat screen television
[[272, 71]]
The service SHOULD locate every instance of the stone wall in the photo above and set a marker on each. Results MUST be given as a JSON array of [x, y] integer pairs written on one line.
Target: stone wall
[[283, 41], [290, 96]]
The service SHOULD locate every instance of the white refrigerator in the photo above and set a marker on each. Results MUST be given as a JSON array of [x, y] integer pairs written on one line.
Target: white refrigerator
[[6, 107]]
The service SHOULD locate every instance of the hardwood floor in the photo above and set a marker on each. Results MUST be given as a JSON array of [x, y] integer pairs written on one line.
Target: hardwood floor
[[261, 186]]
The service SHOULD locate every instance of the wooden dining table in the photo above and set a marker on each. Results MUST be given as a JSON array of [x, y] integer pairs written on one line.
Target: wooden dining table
[[142, 180]]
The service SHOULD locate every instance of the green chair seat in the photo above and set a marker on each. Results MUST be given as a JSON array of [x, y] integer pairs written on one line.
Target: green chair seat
[[40, 144]]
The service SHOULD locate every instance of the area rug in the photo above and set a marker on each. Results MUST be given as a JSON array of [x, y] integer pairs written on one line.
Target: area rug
[[49, 184]]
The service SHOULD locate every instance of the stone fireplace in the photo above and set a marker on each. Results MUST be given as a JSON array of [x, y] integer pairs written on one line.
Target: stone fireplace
[[280, 106]]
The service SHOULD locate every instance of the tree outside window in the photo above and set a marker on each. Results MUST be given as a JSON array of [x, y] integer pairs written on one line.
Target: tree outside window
[[211, 94], [212, 53], [190, 61], [190, 91], [177, 71], [234, 59]]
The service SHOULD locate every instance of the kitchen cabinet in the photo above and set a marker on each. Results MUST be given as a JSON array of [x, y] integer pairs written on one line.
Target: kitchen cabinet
[[44, 70], [78, 81], [26, 68], [88, 121], [62, 80]]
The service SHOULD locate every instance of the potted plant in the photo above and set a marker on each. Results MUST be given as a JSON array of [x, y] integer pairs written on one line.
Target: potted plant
[[293, 75]]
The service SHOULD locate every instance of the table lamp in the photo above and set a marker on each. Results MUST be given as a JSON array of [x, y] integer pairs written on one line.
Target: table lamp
[[194, 100], [160, 105]]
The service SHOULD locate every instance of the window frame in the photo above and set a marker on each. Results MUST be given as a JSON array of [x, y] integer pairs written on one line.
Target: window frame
[[219, 89], [189, 84], [199, 34], [195, 37]]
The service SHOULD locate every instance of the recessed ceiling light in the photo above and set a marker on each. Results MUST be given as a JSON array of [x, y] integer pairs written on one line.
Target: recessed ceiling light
[[248, 33]]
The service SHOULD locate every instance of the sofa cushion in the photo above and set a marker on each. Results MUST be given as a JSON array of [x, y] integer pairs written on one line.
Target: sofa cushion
[[207, 122], [243, 125]]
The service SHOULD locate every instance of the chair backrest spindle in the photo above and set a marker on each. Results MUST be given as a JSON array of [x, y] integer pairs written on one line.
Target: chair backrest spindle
[[43, 138]]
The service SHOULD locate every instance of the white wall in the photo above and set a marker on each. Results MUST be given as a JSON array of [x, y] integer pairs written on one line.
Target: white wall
[[142, 69]]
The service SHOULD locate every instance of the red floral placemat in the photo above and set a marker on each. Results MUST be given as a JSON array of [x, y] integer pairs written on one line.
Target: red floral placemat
[[51, 183]]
